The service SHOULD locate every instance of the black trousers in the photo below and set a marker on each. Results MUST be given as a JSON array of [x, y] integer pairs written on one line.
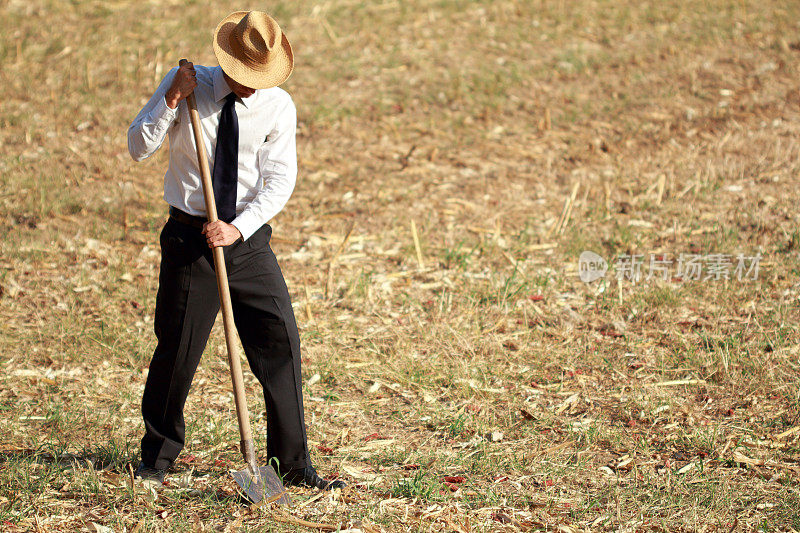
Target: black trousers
[[186, 307]]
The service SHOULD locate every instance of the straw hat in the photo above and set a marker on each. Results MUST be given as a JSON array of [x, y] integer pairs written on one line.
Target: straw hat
[[252, 49]]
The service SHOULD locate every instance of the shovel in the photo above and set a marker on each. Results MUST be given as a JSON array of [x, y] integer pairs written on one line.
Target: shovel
[[258, 483]]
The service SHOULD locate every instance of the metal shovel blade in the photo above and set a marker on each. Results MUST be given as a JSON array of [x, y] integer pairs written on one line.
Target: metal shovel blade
[[262, 485]]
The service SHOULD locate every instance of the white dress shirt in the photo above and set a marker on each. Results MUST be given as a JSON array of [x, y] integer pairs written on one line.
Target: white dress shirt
[[267, 153]]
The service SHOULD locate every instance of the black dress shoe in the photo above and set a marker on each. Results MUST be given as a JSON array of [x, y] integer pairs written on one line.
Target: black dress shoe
[[308, 477], [148, 473]]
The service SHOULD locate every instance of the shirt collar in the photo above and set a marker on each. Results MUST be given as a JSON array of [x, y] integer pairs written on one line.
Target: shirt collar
[[221, 88]]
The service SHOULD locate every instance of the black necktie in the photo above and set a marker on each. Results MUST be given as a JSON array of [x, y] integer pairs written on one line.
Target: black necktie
[[226, 161]]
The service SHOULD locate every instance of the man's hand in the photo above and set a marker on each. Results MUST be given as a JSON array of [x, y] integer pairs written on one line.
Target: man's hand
[[182, 85], [220, 233]]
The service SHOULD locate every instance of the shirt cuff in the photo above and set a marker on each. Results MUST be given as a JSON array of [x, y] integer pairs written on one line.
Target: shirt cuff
[[247, 223], [162, 114]]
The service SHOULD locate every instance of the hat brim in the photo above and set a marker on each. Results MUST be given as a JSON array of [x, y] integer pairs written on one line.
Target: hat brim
[[279, 68]]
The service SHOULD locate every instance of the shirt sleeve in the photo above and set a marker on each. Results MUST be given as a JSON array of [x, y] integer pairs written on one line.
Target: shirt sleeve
[[148, 130], [277, 165]]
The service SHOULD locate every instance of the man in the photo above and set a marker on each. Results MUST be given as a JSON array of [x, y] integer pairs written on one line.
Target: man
[[248, 125]]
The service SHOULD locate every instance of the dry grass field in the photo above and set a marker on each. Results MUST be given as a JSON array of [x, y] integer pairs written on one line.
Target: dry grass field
[[456, 157]]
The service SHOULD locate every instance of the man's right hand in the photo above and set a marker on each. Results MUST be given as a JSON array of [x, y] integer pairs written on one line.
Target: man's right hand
[[182, 86]]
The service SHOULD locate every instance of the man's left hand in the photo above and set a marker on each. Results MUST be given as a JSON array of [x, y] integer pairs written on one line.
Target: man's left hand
[[220, 233]]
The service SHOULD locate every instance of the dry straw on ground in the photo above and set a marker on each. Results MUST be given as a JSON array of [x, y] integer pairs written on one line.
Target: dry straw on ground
[[455, 159]]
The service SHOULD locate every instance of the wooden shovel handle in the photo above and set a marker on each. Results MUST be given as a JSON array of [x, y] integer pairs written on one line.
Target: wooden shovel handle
[[234, 360]]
